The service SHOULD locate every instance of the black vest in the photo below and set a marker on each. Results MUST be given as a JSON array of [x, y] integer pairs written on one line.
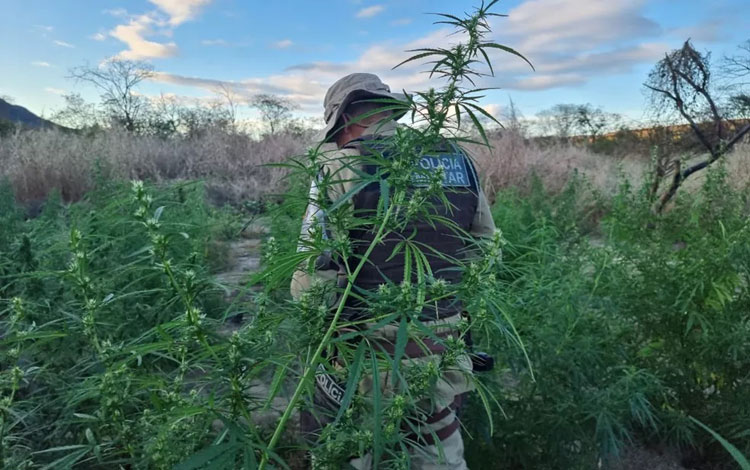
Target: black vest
[[461, 189]]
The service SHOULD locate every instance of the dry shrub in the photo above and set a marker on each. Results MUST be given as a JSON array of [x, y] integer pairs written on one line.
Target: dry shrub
[[738, 167], [234, 165], [514, 161]]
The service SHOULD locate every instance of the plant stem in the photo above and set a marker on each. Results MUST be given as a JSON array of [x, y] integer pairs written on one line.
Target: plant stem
[[323, 343]]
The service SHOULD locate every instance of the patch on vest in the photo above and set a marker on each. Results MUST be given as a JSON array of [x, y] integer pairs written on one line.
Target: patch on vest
[[454, 165]]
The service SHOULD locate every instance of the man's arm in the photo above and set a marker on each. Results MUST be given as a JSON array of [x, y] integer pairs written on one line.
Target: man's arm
[[337, 166], [313, 220]]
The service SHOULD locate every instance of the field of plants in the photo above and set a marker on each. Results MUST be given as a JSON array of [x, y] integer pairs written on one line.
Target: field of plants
[[619, 317]]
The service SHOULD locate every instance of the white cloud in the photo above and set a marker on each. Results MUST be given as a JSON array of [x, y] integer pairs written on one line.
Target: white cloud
[[42, 27], [369, 12], [283, 44], [137, 32], [570, 42], [214, 42], [401, 22], [709, 31], [63, 44], [55, 91], [180, 11], [40, 63], [134, 35], [98, 36], [116, 12]]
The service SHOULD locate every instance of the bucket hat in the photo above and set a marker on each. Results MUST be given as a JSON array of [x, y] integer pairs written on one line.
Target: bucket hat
[[351, 88]]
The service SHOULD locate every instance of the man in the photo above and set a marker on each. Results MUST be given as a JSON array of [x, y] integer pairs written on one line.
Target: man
[[352, 121]]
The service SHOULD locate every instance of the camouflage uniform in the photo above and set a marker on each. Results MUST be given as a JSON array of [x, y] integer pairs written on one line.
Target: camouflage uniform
[[443, 421]]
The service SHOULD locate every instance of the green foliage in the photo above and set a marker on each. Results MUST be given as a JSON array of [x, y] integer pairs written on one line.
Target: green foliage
[[108, 346], [632, 337]]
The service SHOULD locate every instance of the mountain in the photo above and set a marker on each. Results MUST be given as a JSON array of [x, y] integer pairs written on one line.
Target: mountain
[[20, 115]]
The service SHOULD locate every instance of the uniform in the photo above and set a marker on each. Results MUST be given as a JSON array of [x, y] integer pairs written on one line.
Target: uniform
[[472, 214]]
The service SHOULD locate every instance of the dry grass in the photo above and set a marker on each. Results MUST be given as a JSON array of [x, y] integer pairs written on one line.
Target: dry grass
[[234, 165], [513, 161]]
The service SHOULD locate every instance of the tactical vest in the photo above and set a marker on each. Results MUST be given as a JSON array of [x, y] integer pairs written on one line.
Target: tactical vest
[[461, 189]]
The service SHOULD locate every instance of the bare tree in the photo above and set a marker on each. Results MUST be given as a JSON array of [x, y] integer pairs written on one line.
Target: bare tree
[[275, 110], [117, 80], [738, 66], [77, 113], [680, 86], [592, 121], [232, 99], [560, 120]]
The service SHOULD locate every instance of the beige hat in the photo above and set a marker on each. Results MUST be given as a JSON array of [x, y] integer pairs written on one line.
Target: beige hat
[[355, 86]]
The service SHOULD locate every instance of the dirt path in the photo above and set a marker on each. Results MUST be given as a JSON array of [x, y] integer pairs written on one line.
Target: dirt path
[[244, 260]]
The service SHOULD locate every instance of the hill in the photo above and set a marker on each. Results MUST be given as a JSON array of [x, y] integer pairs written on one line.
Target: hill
[[20, 115]]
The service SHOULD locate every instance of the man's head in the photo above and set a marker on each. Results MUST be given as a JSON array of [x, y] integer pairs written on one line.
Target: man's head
[[349, 106]]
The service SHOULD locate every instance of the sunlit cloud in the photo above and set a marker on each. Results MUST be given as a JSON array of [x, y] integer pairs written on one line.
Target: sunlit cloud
[[57, 42], [55, 91], [401, 22], [134, 36], [180, 11], [98, 37], [214, 42], [40, 63], [116, 12], [283, 44], [582, 41], [369, 12], [138, 32]]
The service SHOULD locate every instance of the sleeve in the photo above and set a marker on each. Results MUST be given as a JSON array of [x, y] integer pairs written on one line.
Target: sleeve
[[314, 219], [483, 225]]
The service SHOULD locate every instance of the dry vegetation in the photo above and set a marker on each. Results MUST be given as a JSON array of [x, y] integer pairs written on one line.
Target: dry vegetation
[[236, 165]]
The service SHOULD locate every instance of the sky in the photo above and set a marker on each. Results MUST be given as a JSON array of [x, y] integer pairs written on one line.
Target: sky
[[584, 51]]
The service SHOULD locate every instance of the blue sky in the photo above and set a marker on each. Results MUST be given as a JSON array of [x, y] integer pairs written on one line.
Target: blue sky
[[595, 51]]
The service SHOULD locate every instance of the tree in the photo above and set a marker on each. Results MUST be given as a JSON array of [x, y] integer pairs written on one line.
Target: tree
[[681, 88], [77, 113], [560, 120], [738, 66], [117, 79], [275, 110], [568, 120], [593, 121], [737, 69]]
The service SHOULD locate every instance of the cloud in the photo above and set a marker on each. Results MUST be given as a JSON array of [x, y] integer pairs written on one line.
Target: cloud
[[41, 27], [63, 44], [708, 31], [98, 36], [134, 36], [40, 63], [180, 11], [401, 22], [582, 40], [214, 42], [369, 12], [116, 12], [283, 44], [137, 32], [55, 91]]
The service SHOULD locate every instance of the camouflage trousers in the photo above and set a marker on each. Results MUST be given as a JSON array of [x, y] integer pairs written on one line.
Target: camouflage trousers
[[437, 439]]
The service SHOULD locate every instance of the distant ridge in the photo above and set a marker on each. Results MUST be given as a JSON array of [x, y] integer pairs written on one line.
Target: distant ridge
[[20, 115]]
